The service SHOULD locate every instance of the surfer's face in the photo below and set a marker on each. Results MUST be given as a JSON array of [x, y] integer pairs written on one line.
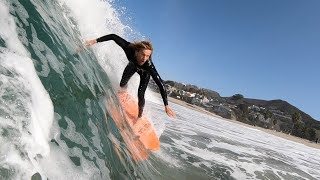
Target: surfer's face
[[143, 55]]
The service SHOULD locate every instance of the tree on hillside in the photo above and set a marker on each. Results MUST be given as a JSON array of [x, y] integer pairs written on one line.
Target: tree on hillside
[[310, 134], [295, 117], [266, 113], [237, 97], [171, 83], [299, 130], [274, 122]]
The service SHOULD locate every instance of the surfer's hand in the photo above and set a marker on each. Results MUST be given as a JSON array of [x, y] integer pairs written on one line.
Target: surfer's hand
[[90, 42], [170, 112]]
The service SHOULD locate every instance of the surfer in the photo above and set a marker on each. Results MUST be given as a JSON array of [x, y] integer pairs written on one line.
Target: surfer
[[140, 61]]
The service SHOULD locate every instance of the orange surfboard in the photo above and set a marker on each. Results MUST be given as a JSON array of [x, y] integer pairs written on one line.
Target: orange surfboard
[[139, 135], [141, 127]]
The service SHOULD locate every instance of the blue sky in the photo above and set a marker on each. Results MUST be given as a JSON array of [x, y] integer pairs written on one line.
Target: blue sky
[[263, 49]]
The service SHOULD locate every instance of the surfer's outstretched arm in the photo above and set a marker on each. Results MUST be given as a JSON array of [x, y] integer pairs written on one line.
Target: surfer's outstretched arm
[[117, 39]]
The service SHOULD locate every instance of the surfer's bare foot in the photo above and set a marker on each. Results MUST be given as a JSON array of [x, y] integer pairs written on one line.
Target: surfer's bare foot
[[136, 137], [122, 89]]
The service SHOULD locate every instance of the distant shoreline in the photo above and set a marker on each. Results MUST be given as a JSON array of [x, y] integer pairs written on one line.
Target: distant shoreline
[[269, 131]]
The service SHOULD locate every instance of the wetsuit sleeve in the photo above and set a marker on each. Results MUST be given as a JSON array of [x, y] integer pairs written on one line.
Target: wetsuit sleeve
[[117, 39], [157, 79]]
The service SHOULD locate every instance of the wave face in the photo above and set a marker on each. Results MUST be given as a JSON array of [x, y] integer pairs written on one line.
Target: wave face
[[55, 103], [53, 119]]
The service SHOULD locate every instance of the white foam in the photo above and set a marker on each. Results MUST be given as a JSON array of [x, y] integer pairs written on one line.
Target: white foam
[[41, 106], [251, 149], [30, 108], [8, 31], [31, 96], [97, 18]]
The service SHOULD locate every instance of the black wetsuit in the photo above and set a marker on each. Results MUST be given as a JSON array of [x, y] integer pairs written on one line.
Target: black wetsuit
[[144, 71]]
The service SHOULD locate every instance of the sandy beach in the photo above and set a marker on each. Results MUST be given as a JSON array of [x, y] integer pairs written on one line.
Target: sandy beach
[[273, 132]]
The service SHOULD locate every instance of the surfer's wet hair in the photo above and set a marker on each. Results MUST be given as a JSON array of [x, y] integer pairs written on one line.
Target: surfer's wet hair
[[141, 45]]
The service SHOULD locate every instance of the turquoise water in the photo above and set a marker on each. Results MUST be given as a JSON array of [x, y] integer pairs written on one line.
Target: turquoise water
[[54, 102]]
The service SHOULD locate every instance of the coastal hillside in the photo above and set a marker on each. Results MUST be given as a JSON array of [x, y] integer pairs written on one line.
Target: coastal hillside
[[276, 114]]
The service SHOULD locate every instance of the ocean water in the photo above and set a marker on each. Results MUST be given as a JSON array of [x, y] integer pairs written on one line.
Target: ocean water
[[54, 119]]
